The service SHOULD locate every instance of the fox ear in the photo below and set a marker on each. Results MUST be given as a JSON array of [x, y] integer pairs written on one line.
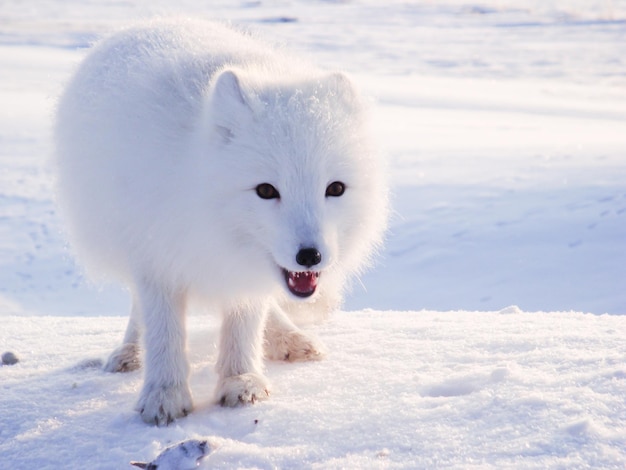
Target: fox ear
[[227, 86], [340, 82], [229, 105], [341, 86]]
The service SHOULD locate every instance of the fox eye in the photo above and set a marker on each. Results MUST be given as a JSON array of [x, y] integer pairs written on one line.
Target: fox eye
[[267, 191], [335, 189]]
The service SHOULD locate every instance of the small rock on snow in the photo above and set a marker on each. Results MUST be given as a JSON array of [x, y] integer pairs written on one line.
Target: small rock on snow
[[8, 359]]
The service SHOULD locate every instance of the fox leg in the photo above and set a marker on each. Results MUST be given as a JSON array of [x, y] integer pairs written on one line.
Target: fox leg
[[284, 341], [125, 358], [165, 395], [240, 362]]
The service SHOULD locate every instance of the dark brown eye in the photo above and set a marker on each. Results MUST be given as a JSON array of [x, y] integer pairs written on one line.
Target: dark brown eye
[[335, 189], [267, 191]]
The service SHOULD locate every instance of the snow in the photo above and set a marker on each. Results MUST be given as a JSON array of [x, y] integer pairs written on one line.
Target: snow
[[398, 390], [505, 125]]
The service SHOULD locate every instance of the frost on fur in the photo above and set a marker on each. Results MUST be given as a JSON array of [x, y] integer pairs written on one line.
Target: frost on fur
[[195, 161]]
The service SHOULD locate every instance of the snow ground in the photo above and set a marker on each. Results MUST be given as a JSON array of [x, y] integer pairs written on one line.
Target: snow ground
[[505, 123], [398, 390]]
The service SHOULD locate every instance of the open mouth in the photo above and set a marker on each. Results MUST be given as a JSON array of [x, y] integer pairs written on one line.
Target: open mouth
[[301, 284]]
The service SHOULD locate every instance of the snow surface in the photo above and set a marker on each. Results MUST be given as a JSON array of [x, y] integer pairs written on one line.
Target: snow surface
[[505, 124], [398, 390]]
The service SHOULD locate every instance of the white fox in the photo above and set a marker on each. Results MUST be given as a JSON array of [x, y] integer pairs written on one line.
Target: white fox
[[196, 162]]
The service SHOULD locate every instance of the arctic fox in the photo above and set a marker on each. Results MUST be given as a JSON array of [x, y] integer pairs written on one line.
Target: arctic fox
[[196, 162]]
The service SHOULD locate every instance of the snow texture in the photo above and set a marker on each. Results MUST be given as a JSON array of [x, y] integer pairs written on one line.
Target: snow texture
[[398, 390], [504, 122]]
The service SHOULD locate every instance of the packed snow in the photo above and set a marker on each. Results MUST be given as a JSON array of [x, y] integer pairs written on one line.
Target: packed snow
[[490, 333], [398, 390]]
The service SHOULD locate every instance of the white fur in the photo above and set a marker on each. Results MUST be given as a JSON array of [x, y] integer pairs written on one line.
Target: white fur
[[162, 136]]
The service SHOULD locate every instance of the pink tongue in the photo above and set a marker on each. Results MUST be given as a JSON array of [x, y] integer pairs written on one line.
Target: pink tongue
[[302, 282]]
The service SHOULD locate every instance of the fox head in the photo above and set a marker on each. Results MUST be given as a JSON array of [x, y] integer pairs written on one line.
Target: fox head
[[304, 178]]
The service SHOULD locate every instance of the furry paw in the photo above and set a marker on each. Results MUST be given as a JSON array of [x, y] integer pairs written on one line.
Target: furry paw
[[124, 359], [162, 404], [292, 346], [242, 389]]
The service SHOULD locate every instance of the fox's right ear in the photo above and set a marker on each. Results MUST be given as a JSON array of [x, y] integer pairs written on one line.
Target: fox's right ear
[[228, 86], [229, 105]]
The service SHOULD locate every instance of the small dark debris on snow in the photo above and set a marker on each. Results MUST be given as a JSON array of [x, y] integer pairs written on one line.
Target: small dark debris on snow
[[9, 358]]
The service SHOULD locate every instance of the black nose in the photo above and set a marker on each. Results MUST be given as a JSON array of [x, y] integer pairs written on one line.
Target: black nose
[[308, 257]]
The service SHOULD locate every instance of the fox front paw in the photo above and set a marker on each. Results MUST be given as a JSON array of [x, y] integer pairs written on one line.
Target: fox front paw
[[242, 389], [292, 346], [162, 404], [123, 359]]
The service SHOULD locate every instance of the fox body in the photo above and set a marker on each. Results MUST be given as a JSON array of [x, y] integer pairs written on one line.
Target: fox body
[[196, 161]]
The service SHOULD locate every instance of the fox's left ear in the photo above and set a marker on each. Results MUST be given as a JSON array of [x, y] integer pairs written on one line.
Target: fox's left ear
[[340, 82], [342, 88]]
